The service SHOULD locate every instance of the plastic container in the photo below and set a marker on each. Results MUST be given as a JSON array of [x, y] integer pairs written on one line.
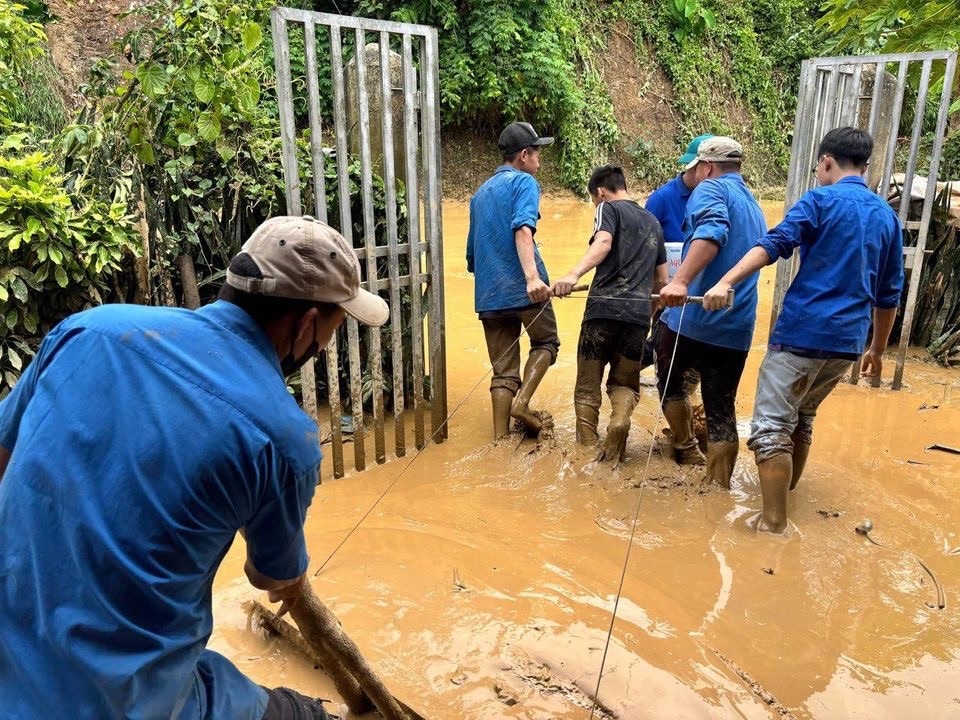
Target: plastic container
[[674, 251]]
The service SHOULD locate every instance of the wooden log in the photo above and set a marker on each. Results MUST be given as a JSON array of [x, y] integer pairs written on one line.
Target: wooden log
[[320, 628], [319, 654]]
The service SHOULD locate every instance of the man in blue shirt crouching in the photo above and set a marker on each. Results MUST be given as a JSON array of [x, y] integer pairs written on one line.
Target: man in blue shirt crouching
[[134, 447], [851, 260]]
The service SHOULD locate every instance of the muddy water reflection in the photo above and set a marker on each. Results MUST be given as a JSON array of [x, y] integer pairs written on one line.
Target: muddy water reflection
[[481, 586]]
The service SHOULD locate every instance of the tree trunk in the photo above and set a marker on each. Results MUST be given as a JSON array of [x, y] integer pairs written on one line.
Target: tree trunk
[[188, 281]]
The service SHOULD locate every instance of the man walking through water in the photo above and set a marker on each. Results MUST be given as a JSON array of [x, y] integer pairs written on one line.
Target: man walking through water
[[132, 450], [627, 250], [723, 221], [511, 285], [851, 263]]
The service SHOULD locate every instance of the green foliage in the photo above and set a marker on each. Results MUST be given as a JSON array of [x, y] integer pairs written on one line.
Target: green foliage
[[186, 126], [894, 26], [21, 43], [519, 60], [891, 26], [56, 257], [737, 75], [689, 17]]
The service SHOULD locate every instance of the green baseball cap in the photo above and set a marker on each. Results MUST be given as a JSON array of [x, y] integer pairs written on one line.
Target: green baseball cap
[[692, 148]]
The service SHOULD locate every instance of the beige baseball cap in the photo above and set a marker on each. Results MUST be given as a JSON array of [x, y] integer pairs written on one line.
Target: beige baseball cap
[[301, 258], [718, 148]]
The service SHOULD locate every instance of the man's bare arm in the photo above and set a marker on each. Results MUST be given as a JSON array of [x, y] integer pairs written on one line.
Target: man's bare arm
[[537, 290]]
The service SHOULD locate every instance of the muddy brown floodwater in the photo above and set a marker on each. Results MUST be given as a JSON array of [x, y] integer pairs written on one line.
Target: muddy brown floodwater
[[482, 585]]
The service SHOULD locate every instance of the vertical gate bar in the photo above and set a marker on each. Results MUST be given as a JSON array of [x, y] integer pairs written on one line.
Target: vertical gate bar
[[429, 68], [413, 248], [291, 172], [356, 393], [291, 175], [879, 77], [830, 103], [928, 200], [918, 111], [850, 112], [346, 229], [801, 131], [336, 407], [393, 259], [374, 362], [891, 149], [316, 128]]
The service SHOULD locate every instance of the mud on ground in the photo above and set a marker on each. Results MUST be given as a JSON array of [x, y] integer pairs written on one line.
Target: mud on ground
[[483, 583]]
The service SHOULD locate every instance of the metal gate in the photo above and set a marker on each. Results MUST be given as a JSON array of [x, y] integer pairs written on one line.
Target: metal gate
[[335, 75], [872, 93]]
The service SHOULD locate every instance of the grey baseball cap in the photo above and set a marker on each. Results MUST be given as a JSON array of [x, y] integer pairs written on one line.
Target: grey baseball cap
[[518, 135], [718, 148], [301, 258]]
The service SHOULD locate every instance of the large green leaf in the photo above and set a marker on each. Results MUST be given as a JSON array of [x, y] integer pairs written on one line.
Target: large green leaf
[[61, 275], [205, 90], [248, 93], [153, 79], [252, 35], [15, 360], [208, 126]]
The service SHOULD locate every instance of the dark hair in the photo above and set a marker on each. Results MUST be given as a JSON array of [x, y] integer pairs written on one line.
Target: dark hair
[[264, 309], [608, 177], [510, 157], [728, 166], [848, 146]]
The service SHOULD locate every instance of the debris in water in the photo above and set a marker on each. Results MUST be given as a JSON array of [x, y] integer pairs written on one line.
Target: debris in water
[[503, 696], [768, 570], [925, 406], [829, 513], [943, 448]]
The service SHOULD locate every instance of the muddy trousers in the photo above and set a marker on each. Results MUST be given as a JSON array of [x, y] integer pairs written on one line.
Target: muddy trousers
[[617, 344], [790, 388]]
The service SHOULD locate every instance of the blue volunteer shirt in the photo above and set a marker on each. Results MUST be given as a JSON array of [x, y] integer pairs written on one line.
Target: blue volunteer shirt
[[506, 202], [668, 203], [142, 439], [723, 211], [851, 260]]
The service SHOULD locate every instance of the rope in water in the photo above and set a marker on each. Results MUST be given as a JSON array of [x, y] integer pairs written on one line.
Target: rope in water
[[429, 440], [633, 529]]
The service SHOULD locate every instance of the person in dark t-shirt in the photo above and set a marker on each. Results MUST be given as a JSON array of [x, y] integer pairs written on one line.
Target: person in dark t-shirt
[[627, 250]]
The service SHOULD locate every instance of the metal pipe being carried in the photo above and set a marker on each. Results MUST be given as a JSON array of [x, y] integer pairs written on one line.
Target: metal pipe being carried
[[694, 299]]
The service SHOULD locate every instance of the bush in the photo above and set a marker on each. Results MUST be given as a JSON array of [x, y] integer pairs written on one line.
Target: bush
[[55, 257]]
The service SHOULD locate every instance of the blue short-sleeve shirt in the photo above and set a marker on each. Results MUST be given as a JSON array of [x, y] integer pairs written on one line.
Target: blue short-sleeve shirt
[[723, 211], [142, 439], [668, 203], [851, 260], [506, 202]]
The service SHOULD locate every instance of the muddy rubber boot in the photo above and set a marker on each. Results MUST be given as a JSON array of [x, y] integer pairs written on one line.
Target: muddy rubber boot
[[679, 416], [537, 365], [622, 402], [775, 475], [588, 417], [587, 399], [721, 458], [801, 451], [502, 400]]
